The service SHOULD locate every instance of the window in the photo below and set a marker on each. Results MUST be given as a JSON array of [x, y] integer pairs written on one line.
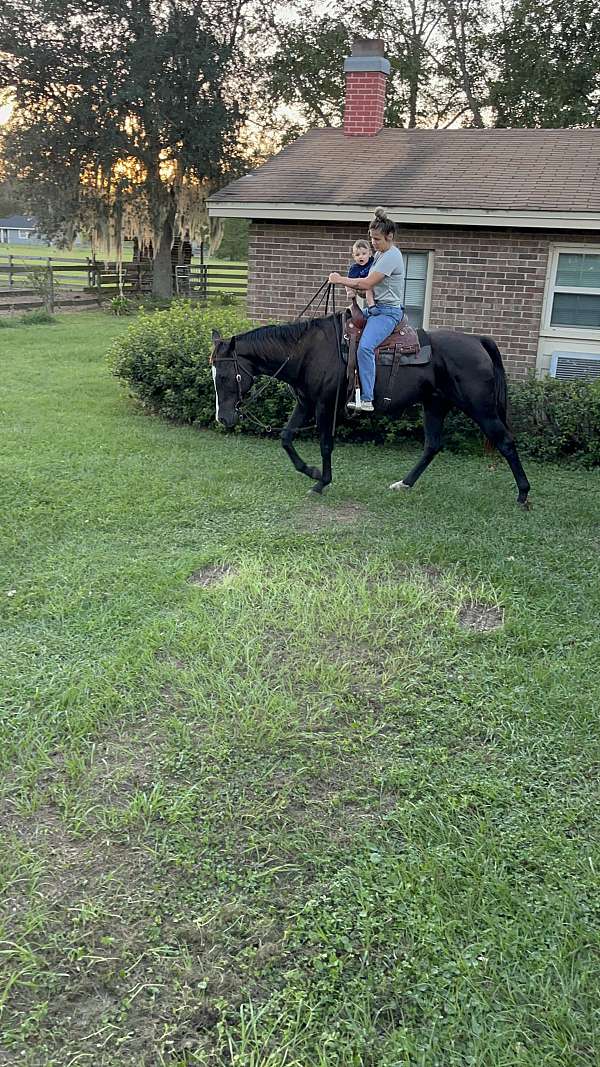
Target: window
[[23, 234], [416, 264], [576, 295]]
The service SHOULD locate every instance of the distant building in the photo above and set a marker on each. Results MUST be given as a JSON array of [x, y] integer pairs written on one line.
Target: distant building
[[17, 230]]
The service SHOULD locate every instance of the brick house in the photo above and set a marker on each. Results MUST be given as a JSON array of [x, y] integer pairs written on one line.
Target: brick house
[[500, 229]]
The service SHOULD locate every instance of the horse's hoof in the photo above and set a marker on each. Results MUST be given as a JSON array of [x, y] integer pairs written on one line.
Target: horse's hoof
[[525, 504], [316, 488], [399, 485]]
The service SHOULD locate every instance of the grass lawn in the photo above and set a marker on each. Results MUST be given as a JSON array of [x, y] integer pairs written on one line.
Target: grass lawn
[[287, 782]]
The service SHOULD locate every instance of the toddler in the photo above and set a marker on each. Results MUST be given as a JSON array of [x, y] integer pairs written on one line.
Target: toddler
[[361, 268]]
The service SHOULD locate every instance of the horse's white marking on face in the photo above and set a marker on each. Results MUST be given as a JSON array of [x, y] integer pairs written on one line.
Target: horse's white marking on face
[[214, 374]]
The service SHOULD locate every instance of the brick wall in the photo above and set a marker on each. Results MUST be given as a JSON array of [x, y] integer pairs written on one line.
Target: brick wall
[[484, 281], [364, 103]]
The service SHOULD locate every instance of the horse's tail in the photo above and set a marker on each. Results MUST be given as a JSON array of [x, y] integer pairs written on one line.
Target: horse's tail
[[501, 395]]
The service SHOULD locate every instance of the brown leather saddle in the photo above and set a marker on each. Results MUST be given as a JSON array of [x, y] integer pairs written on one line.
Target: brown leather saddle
[[401, 348]]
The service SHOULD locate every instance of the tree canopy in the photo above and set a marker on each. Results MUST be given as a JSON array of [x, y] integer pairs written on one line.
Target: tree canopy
[[454, 62], [548, 72], [126, 114], [129, 112]]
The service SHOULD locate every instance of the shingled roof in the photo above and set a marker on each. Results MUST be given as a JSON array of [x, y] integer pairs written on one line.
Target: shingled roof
[[435, 171]]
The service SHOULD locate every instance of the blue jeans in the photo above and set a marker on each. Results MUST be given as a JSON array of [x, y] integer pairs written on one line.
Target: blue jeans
[[381, 322]]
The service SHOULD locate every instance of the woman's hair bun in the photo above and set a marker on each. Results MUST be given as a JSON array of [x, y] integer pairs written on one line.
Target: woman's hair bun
[[382, 223]]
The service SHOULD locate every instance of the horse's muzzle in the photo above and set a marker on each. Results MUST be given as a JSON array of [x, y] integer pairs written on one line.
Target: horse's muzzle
[[228, 420]]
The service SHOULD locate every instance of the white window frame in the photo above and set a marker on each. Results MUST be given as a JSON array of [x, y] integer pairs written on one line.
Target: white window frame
[[428, 279], [548, 330]]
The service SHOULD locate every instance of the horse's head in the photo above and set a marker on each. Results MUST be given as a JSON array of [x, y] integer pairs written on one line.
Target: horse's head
[[233, 379]]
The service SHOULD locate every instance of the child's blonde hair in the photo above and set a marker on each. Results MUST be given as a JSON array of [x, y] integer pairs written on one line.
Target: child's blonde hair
[[361, 243]]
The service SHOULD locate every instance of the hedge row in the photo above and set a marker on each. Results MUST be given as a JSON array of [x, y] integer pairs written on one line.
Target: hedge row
[[163, 358]]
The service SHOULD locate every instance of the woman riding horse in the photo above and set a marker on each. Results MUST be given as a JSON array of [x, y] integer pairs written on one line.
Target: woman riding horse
[[386, 279]]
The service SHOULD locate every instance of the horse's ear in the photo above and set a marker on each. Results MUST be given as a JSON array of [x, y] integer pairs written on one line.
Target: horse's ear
[[215, 336]]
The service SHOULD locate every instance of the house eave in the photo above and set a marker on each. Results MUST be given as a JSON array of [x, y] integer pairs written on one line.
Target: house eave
[[541, 220]]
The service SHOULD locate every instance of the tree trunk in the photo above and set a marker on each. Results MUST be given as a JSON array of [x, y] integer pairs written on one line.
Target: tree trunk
[[162, 272]]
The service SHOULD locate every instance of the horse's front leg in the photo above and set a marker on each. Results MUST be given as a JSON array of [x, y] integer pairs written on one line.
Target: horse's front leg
[[299, 418], [325, 427]]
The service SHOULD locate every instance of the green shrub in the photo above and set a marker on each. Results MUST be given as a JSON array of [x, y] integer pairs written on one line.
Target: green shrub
[[554, 420], [164, 355], [120, 305], [37, 317]]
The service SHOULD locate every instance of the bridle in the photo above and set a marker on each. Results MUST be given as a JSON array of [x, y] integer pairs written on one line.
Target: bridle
[[238, 377], [243, 412], [252, 395]]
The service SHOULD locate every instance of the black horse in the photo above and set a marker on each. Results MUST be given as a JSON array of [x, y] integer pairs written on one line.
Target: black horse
[[465, 372]]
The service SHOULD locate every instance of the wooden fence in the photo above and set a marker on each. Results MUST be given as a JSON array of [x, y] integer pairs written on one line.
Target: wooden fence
[[22, 275], [207, 279]]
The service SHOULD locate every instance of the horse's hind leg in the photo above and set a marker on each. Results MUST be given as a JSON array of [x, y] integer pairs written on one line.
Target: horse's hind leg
[[500, 436], [299, 417], [434, 413]]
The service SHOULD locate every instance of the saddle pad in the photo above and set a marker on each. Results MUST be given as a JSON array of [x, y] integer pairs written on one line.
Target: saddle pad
[[386, 357]]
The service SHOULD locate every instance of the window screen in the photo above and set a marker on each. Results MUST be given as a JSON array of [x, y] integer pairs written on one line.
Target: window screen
[[576, 300]]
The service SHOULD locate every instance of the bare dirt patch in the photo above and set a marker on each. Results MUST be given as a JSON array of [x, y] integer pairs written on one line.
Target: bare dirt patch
[[479, 617], [211, 575], [318, 516], [408, 572]]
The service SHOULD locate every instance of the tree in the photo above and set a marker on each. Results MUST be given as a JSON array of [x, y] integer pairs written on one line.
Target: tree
[[438, 50], [126, 115], [547, 57], [10, 200], [304, 66]]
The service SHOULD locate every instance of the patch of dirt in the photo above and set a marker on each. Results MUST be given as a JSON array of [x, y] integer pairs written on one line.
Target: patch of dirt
[[212, 574], [479, 617], [162, 656], [318, 516], [406, 572], [124, 762]]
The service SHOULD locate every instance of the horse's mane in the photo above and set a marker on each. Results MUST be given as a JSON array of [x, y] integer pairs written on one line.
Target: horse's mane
[[264, 339]]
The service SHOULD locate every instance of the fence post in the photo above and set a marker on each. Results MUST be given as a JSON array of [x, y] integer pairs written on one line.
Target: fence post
[[10, 272], [51, 289]]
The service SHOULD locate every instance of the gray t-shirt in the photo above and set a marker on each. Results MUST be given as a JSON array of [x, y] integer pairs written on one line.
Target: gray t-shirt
[[391, 289]]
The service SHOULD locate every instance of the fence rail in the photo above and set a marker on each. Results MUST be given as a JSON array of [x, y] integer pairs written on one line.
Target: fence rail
[[105, 279], [203, 280]]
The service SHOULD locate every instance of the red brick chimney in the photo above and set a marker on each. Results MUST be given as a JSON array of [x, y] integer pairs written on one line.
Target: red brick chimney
[[366, 71]]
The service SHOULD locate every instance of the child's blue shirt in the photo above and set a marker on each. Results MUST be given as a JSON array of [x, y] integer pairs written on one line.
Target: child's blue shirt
[[356, 271]]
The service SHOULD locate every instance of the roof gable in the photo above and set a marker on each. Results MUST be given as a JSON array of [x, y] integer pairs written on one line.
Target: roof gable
[[18, 222]]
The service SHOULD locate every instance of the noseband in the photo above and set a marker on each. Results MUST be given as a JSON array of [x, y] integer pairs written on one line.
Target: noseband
[[238, 377]]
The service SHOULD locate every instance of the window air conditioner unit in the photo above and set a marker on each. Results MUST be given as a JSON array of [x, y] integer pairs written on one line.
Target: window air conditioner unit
[[570, 365]]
